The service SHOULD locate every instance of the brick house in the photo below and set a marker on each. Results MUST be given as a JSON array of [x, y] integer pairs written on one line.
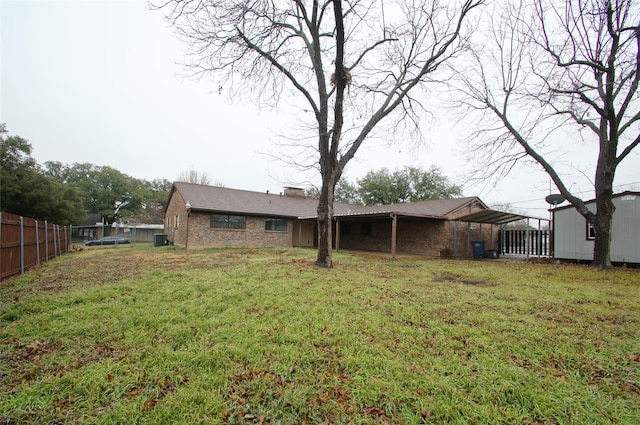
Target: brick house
[[211, 216]]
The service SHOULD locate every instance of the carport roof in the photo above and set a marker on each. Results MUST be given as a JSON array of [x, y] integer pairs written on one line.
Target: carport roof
[[494, 217]]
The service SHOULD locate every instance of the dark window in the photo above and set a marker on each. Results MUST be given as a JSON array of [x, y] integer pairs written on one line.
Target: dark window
[[228, 221], [365, 229], [345, 228], [276, 224], [591, 232]]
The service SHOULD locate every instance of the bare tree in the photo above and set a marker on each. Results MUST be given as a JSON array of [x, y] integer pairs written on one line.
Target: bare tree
[[351, 63], [195, 177], [549, 65]]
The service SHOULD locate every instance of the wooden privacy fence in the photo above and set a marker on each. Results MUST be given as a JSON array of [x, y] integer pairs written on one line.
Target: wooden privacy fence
[[25, 242]]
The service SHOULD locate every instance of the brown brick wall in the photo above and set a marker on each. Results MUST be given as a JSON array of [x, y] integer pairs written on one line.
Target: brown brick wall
[[465, 235], [422, 237], [419, 237], [378, 240], [202, 235], [175, 220], [425, 237]]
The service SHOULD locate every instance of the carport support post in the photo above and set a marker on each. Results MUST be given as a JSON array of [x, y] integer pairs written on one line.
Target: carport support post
[[394, 232], [337, 235], [491, 236], [468, 238], [455, 239]]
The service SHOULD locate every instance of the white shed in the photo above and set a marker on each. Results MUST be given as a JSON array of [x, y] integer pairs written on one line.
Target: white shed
[[573, 237]]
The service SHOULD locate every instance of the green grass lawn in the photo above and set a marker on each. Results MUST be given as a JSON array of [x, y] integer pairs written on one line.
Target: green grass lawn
[[143, 335]]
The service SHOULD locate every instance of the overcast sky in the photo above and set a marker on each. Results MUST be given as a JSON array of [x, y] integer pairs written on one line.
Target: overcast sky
[[96, 81]]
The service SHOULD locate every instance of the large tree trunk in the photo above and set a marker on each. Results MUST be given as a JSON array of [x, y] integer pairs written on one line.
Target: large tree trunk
[[602, 245], [325, 225], [605, 172], [328, 146]]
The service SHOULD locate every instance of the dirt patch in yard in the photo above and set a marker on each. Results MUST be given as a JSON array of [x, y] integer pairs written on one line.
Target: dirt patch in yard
[[455, 278]]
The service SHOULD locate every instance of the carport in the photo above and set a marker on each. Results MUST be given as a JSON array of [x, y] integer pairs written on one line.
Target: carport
[[501, 218]]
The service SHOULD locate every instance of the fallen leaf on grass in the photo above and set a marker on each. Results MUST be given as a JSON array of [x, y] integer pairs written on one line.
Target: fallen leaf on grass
[[379, 413], [524, 363], [318, 401], [37, 349], [11, 340], [151, 402], [426, 414]]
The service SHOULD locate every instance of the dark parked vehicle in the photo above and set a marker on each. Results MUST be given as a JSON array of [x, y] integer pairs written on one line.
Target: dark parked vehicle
[[108, 240]]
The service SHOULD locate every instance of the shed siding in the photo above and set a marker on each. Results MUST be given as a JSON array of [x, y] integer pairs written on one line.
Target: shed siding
[[570, 239], [625, 247]]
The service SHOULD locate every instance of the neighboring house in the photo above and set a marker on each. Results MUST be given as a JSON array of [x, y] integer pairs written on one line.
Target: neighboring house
[[137, 232], [574, 238], [211, 216]]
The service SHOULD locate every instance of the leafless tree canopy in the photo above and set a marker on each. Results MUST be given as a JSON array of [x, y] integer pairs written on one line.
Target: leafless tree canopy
[[194, 176], [285, 51]]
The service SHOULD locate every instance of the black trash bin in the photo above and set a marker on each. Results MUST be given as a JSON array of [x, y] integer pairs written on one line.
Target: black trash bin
[[478, 249], [160, 239]]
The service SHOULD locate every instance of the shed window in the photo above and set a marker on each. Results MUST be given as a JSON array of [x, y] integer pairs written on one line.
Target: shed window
[[228, 221], [276, 224], [591, 232]]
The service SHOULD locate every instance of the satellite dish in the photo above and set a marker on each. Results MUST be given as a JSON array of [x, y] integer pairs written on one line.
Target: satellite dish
[[555, 198]]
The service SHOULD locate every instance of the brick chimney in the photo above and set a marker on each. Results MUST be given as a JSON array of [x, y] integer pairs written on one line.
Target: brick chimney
[[294, 192]]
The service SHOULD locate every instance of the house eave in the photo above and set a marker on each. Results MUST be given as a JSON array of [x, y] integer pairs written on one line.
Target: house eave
[[243, 213]]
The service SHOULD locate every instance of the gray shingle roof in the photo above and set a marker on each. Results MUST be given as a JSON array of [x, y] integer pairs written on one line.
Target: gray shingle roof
[[221, 199]]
